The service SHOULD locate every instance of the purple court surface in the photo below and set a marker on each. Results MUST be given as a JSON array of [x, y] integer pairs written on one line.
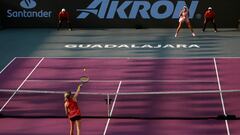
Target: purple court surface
[[182, 94]]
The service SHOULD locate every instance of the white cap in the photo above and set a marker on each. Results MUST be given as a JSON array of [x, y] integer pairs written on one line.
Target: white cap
[[185, 7], [63, 10], [210, 8]]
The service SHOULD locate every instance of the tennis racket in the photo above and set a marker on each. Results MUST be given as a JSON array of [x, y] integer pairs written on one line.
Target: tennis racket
[[83, 79]]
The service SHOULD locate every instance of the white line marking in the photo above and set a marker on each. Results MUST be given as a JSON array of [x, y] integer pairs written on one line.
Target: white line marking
[[21, 85], [220, 92], [125, 93], [132, 57], [114, 102], [7, 65], [111, 81]]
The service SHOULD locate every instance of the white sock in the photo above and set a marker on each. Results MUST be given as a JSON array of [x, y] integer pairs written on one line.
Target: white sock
[[176, 35]]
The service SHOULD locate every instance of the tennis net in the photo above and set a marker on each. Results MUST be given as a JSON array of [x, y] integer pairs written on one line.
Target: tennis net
[[165, 105]]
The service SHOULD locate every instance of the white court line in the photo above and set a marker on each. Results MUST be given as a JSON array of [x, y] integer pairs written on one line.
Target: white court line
[[7, 65], [220, 92], [125, 93], [170, 81], [21, 85], [114, 102], [132, 57]]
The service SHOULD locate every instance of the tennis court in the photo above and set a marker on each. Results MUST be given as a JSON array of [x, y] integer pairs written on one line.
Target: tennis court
[[147, 67], [147, 96]]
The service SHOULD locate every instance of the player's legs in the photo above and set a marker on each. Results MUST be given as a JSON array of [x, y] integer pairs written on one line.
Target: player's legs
[[69, 25], [78, 124], [204, 25], [214, 25], [59, 24], [178, 28], [190, 27], [72, 123]]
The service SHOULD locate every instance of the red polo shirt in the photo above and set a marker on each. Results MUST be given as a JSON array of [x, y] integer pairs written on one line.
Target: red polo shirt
[[63, 15], [209, 14]]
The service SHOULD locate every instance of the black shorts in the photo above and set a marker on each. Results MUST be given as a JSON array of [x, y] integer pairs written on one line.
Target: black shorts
[[64, 19], [75, 118]]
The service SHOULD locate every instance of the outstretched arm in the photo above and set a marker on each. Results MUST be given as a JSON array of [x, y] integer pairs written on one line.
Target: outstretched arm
[[180, 14], [77, 92], [59, 15], [205, 16]]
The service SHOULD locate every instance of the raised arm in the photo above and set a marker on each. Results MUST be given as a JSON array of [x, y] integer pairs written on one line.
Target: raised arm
[[77, 92]]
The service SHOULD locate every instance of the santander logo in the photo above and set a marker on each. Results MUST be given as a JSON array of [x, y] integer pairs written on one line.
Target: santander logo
[[28, 4]]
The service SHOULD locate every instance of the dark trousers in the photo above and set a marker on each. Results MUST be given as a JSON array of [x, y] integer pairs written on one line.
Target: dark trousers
[[207, 21], [60, 22]]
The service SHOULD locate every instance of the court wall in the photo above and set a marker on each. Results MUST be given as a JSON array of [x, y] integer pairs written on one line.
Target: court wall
[[115, 13]]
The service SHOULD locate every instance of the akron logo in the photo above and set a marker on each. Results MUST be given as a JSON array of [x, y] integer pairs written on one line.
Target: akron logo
[[110, 9]]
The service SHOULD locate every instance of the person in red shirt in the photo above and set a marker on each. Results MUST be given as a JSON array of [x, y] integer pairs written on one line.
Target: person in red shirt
[[63, 16], [209, 16], [72, 110]]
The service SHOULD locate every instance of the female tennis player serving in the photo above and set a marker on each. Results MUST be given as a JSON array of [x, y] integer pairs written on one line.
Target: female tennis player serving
[[72, 110], [184, 17]]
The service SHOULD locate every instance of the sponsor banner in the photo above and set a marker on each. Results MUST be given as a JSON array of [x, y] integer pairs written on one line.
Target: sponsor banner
[[108, 9], [27, 9], [132, 46], [115, 13]]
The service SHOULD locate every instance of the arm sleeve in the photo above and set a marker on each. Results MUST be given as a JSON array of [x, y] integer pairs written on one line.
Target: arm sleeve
[[59, 15]]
